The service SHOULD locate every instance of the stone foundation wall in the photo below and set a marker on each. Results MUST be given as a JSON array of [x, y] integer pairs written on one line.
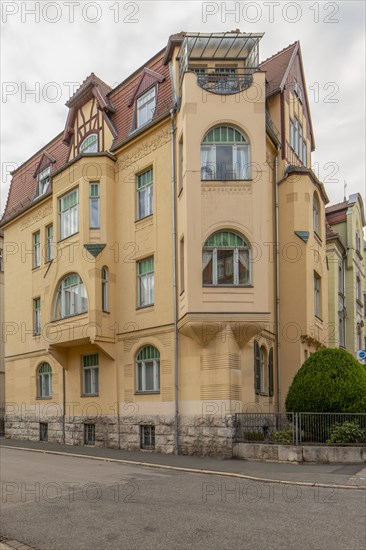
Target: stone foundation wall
[[198, 435], [300, 453]]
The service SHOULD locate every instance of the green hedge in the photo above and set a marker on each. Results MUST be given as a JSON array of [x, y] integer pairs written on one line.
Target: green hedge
[[330, 380]]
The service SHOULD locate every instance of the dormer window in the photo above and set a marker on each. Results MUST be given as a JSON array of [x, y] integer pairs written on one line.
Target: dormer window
[[146, 107], [90, 144], [44, 180]]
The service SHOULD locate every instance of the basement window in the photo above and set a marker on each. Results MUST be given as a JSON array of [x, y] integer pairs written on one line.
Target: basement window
[[147, 437], [43, 431], [89, 434]]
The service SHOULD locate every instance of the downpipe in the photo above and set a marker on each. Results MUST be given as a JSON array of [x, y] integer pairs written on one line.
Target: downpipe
[[277, 288], [175, 293]]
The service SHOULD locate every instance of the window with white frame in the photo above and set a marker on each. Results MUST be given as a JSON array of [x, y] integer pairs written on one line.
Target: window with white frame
[[146, 105], [1, 260], [226, 260], [44, 381], [94, 205], [145, 282], [71, 297], [49, 243], [145, 194], [105, 289], [90, 364], [90, 144], [316, 212], [37, 316], [298, 141], [36, 249], [148, 370], [225, 155], [69, 214], [43, 181], [317, 295]]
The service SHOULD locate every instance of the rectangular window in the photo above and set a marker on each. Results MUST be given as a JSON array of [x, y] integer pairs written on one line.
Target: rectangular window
[[44, 180], [145, 276], [1, 260], [69, 214], [36, 249], [180, 165], [145, 194], [94, 206], [181, 255], [147, 437], [145, 107], [317, 295], [358, 289], [91, 374], [304, 153], [89, 434], [49, 243], [37, 316]]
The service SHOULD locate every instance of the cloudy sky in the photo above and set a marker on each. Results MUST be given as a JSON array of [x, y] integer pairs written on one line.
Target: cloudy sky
[[48, 48]]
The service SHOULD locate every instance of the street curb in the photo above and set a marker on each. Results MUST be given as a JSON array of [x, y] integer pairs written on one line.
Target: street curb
[[189, 470]]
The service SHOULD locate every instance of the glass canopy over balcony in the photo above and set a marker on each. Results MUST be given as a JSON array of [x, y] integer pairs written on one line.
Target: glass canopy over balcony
[[224, 62]]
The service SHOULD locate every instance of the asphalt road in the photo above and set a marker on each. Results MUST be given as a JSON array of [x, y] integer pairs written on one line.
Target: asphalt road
[[61, 502]]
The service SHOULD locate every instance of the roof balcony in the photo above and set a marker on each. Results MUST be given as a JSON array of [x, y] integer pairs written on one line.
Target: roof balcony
[[223, 62]]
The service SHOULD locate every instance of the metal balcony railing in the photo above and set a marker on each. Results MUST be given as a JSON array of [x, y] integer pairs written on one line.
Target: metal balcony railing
[[223, 82]]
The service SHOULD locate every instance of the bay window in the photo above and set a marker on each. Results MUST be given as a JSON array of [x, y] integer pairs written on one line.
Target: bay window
[[69, 214], [226, 260], [225, 155], [71, 297]]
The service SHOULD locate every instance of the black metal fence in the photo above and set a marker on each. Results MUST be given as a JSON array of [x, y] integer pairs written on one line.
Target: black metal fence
[[301, 428]]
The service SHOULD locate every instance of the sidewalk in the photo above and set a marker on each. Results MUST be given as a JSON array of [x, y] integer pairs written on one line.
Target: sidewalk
[[342, 475]]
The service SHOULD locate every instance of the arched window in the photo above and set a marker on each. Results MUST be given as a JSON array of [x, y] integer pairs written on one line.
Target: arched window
[[148, 370], [90, 144], [316, 211], [225, 155], [105, 289], [44, 376], [226, 260], [71, 297]]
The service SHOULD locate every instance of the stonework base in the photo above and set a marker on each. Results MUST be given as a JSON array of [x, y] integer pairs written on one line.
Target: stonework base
[[198, 435]]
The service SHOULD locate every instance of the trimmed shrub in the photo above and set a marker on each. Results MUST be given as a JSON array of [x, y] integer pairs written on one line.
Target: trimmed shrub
[[330, 380], [348, 432]]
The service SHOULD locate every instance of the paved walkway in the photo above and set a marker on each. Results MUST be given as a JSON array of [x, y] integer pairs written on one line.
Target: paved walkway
[[340, 475]]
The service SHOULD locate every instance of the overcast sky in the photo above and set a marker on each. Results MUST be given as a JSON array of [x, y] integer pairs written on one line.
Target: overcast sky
[[62, 42]]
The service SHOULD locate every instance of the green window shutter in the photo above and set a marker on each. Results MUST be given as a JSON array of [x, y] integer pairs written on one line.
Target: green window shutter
[[257, 368], [270, 373]]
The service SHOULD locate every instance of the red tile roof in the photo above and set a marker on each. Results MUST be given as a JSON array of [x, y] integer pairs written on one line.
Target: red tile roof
[[337, 213], [23, 185], [277, 66]]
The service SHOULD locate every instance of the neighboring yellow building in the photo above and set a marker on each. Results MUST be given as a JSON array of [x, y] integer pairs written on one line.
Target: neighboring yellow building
[[168, 251], [347, 274]]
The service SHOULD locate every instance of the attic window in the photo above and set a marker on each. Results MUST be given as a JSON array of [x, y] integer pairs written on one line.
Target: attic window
[[90, 144], [146, 107], [44, 180]]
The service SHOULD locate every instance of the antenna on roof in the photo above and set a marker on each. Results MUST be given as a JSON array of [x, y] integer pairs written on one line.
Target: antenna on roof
[[345, 187]]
